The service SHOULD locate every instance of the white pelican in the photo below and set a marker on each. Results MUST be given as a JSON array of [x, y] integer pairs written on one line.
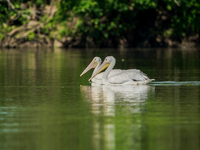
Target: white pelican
[[95, 63], [131, 76]]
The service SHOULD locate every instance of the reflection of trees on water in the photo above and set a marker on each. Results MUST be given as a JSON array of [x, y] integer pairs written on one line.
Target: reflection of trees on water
[[106, 102]]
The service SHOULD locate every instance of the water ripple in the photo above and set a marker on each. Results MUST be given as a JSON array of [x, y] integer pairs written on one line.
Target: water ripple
[[175, 83]]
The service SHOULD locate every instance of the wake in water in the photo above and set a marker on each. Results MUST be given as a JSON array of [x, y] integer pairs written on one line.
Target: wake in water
[[175, 83]]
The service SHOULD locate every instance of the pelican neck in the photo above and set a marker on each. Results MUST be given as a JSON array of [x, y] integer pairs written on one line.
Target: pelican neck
[[109, 69]]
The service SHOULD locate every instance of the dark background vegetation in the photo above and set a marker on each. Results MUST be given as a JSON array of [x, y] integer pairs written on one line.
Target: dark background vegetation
[[100, 23]]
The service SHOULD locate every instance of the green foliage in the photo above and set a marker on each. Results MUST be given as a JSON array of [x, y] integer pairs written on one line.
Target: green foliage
[[186, 17], [99, 20], [167, 33], [103, 20], [4, 30], [31, 36], [63, 32], [2, 36], [3, 12]]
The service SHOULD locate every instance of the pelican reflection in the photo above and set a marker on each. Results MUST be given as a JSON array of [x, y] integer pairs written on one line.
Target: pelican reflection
[[104, 98], [113, 101]]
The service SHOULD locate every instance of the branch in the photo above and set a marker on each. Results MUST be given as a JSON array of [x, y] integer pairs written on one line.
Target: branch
[[12, 6], [50, 13], [177, 3]]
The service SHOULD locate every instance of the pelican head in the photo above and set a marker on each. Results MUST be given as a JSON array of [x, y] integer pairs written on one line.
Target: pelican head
[[106, 63], [109, 59], [96, 61]]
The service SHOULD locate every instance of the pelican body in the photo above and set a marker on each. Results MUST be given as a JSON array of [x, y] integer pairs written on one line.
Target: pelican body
[[95, 63], [131, 76]]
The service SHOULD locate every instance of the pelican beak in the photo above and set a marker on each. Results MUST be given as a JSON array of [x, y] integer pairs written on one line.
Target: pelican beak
[[93, 64], [103, 66]]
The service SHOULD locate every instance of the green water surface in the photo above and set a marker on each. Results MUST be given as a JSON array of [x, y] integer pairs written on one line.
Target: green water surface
[[46, 105]]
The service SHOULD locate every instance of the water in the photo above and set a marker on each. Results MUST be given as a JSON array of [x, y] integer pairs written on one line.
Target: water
[[46, 105]]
